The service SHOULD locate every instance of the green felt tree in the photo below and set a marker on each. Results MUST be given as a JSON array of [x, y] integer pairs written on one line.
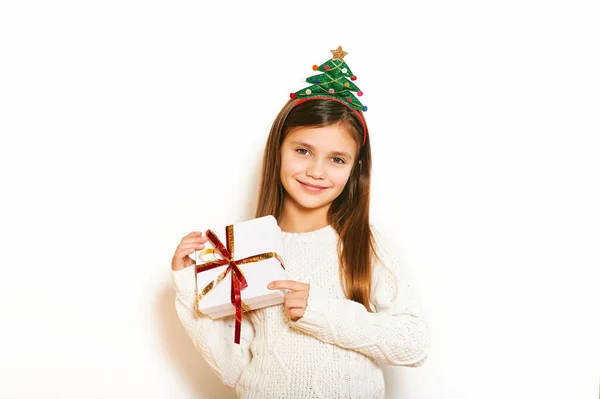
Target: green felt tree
[[335, 81]]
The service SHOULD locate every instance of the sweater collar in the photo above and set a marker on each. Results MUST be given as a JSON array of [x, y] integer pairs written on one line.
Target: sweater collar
[[316, 235]]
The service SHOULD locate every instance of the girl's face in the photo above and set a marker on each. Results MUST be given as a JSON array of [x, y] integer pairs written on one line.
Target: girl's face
[[316, 164]]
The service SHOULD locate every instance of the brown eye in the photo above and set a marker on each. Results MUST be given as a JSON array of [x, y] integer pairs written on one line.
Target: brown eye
[[338, 160], [302, 151]]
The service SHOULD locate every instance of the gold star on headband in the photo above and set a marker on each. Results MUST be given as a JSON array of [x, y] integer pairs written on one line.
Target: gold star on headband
[[338, 54]]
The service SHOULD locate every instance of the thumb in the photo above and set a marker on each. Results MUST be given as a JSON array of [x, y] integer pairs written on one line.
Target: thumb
[[188, 261]]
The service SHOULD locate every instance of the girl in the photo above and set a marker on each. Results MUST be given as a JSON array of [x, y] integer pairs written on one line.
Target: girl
[[349, 305]]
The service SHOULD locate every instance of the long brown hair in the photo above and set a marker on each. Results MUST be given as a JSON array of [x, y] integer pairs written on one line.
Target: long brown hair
[[349, 212]]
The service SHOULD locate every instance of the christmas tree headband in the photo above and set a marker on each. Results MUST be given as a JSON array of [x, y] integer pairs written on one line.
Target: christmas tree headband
[[333, 84]]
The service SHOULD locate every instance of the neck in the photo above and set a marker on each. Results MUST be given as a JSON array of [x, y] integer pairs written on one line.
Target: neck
[[297, 219]]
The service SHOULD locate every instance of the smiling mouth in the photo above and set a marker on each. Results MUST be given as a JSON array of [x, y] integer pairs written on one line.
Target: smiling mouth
[[311, 186]]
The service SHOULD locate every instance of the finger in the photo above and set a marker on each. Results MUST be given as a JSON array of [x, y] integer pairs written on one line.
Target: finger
[[295, 314], [302, 294], [201, 239], [295, 303], [195, 245], [193, 234], [189, 244], [182, 253], [287, 285]]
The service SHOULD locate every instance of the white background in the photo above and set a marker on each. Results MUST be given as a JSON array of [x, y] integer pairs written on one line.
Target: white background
[[126, 124]]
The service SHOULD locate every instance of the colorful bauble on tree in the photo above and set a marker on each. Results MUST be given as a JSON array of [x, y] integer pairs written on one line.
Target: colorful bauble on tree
[[335, 81]]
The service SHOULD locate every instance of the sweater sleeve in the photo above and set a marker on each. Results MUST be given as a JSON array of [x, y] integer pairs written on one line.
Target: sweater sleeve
[[213, 338], [395, 333]]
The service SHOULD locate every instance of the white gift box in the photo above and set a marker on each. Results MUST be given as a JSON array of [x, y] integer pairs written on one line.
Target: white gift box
[[252, 237]]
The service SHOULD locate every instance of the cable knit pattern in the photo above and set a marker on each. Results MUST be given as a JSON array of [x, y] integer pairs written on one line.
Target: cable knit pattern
[[334, 350]]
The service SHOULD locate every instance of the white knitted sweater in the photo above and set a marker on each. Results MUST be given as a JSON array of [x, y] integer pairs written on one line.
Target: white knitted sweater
[[334, 350]]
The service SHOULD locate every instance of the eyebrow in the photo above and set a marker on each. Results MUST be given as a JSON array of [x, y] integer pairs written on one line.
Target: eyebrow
[[303, 144]]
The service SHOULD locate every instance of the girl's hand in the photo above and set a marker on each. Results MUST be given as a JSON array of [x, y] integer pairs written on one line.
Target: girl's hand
[[296, 300], [190, 243]]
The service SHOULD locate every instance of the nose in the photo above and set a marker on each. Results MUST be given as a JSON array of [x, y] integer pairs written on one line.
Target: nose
[[316, 169]]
